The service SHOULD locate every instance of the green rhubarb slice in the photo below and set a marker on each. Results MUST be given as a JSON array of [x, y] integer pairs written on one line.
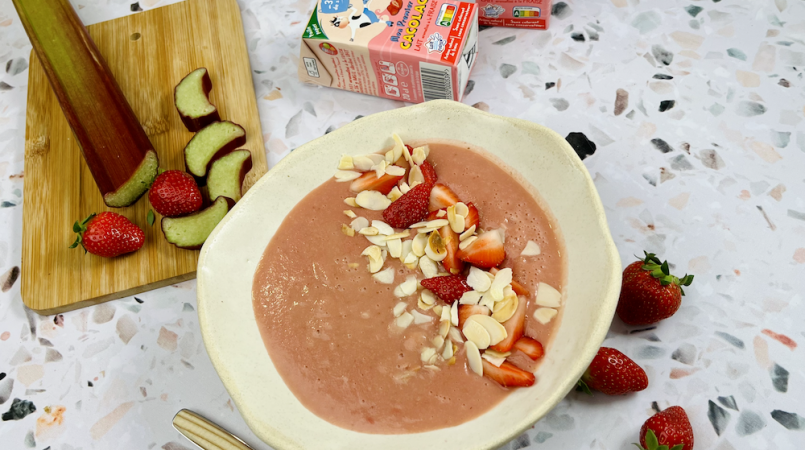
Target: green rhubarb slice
[[191, 231], [191, 100], [139, 182], [227, 173], [213, 141]]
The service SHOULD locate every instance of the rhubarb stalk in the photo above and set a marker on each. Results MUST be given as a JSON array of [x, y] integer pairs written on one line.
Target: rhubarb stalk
[[115, 147]]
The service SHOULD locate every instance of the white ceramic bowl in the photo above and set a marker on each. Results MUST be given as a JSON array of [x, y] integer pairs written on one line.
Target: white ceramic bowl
[[230, 255]]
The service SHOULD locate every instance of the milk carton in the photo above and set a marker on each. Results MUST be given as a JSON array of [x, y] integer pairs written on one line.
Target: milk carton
[[408, 50], [515, 13]]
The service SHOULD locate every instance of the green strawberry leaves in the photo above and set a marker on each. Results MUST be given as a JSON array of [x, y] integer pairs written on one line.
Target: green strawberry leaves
[[661, 271], [653, 444], [582, 386], [79, 228], [151, 218]]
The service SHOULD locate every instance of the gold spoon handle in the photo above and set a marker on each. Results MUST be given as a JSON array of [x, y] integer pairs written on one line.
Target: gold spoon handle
[[206, 434]]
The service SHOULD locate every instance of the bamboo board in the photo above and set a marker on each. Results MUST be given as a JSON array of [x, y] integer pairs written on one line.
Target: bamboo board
[[148, 54]]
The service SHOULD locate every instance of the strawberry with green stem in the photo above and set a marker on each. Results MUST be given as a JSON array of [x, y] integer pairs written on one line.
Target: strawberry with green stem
[[108, 235], [669, 429], [649, 293]]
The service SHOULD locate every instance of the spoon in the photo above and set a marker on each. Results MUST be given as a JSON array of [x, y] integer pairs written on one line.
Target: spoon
[[205, 434]]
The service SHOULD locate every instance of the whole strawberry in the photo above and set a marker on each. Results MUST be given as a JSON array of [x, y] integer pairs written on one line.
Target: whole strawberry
[[449, 288], [108, 234], [174, 193], [409, 209], [667, 430], [613, 373], [649, 292]]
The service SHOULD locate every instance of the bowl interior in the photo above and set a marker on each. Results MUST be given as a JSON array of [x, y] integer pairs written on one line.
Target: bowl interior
[[230, 256]]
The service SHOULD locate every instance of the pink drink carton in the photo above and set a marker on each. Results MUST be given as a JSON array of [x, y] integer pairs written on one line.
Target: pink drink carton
[[408, 50], [515, 13]]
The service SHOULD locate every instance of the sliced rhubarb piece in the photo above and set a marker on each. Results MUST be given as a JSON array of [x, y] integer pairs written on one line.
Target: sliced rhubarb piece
[[515, 327], [190, 232], [212, 142], [507, 375], [117, 150], [192, 101], [227, 174]]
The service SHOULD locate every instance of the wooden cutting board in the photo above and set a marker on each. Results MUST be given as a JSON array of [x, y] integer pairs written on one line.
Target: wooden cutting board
[[148, 53]]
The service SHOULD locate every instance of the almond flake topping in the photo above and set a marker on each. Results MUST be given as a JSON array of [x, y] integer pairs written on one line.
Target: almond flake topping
[[505, 310], [457, 224], [396, 171], [427, 297], [427, 354], [415, 176], [502, 279], [380, 168], [350, 213], [474, 358], [454, 314], [406, 154], [487, 301], [406, 288], [420, 318], [395, 247], [419, 243], [544, 315], [436, 250], [462, 209], [362, 163], [369, 231], [438, 341], [375, 256], [466, 243], [475, 332], [345, 163], [448, 351], [438, 310], [531, 249], [404, 187], [436, 223], [383, 227], [444, 326], [467, 234], [495, 330], [394, 194], [478, 280], [547, 295], [342, 176], [399, 145], [496, 361], [411, 261], [353, 265], [405, 320], [399, 309], [423, 306], [455, 335], [441, 213], [401, 235], [420, 154], [385, 276], [359, 223], [428, 267], [351, 202], [470, 298], [373, 200], [377, 240], [347, 230], [497, 354]]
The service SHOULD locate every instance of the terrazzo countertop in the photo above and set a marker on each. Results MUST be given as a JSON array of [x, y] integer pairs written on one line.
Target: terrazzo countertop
[[689, 117]]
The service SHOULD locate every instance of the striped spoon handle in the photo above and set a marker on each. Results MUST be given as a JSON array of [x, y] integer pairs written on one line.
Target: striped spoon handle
[[206, 434]]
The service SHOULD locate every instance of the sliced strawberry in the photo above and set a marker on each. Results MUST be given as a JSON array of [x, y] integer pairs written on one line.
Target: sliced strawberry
[[451, 262], [465, 311], [472, 218], [369, 182], [441, 197], [409, 209], [428, 172], [449, 288], [486, 251], [518, 288], [515, 327], [507, 375], [530, 347], [433, 215]]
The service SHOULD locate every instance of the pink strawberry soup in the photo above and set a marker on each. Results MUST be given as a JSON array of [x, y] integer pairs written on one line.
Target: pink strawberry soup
[[340, 339]]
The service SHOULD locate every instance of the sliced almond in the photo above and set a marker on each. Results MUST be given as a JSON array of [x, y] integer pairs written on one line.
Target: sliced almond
[[506, 310], [369, 231], [394, 194], [467, 234], [428, 267], [419, 243], [454, 314], [502, 279], [495, 330], [478, 280], [462, 209], [547, 295], [438, 341], [395, 247], [362, 163], [431, 366], [406, 154], [496, 354], [404, 187], [405, 320], [438, 310], [420, 318], [426, 354], [423, 306], [372, 200], [545, 315], [401, 235], [496, 361], [376, 158], [353, 265], [415, 176], [351, 202], [470, 298], [458, 224], [399, 309], [350, 213], [441, 213], [411, 261], [445, 314], [385, 276], [474, 358], [396, 171], [427, 297], [406, 288], [380, 168], [476, 332], [345, 163], [342, 176], [383, 227], [455, 335], [444, 326], [372, 251], [389, 156], [531, 249], [448, 351], [359, 223], [346, 229], [375, 256], [467, 242], [487, 301], [436, 249], [399, 145], [425, 230], [418, 155], [378, 240]]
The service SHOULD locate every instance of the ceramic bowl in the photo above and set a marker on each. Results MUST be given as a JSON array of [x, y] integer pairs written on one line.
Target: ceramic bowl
[[229, 257]]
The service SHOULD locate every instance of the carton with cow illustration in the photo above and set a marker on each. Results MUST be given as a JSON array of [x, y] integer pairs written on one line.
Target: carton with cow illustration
[[534, 14], [407, 50]]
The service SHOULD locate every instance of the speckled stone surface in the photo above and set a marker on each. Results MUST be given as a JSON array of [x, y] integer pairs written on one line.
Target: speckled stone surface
[[689, 115]]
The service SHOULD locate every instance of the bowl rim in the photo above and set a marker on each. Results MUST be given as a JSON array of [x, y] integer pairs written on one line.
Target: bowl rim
[[596, 336]]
